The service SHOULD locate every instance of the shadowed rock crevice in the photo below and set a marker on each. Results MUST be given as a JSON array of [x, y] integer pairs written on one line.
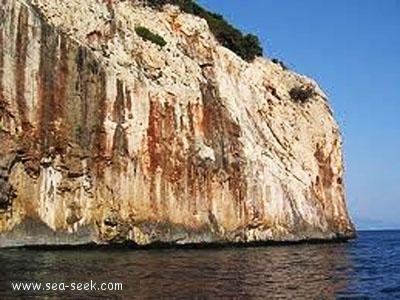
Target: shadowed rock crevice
[[2, 105], [7, 191], [21, 53], [222, 134]]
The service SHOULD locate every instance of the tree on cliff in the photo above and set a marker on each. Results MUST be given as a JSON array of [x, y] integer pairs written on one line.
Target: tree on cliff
[[247, 46]]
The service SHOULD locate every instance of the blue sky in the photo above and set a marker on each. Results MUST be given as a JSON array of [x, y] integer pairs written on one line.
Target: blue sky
[[352, 48]]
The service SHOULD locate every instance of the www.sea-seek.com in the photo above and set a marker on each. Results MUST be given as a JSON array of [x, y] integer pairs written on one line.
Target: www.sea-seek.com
[[74, 286]]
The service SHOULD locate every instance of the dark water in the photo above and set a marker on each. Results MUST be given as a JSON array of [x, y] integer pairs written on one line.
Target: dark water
[[367, 268]]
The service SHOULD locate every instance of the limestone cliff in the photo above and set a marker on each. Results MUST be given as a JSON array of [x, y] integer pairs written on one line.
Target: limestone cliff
[[107, 137]]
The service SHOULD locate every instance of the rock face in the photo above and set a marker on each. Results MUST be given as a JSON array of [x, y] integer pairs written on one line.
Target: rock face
[[106, 137]]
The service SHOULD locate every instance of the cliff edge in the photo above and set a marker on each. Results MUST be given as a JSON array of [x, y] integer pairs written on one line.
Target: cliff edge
[[107, 137]]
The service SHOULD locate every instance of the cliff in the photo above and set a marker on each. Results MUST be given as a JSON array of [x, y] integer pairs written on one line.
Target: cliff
[[107, 137]]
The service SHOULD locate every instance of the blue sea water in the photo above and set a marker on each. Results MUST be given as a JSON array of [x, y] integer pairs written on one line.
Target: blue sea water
[[366, 268]]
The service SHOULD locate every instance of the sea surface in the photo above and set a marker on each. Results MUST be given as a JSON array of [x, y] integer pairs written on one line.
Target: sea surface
[[366, 268]]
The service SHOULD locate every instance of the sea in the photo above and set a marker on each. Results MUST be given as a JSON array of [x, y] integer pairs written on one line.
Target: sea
[[365, 268]]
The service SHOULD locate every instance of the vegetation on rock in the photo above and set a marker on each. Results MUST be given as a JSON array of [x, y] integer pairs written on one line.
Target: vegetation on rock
[[301, 94], [279, 62], [247, 46], [150, 36]]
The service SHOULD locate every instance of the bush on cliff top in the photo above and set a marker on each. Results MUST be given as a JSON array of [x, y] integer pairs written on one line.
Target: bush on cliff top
[[301, 94], [150, 36], [246, 46]]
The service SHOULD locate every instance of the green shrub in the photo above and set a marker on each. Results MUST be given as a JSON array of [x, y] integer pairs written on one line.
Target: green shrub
[[246, 46], [301, 94], [150, 36], [281, 63]]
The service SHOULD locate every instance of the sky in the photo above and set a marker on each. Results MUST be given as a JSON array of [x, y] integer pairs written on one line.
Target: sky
[[352, 48]]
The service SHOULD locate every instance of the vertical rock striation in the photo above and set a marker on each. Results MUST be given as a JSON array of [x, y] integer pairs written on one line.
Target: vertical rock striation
[[106, 137]]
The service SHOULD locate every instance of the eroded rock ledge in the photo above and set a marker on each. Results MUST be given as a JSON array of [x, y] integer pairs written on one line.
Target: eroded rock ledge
[[108, 138]]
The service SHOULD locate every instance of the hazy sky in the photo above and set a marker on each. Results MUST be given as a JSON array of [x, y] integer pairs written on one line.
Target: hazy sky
[[352, 48]]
